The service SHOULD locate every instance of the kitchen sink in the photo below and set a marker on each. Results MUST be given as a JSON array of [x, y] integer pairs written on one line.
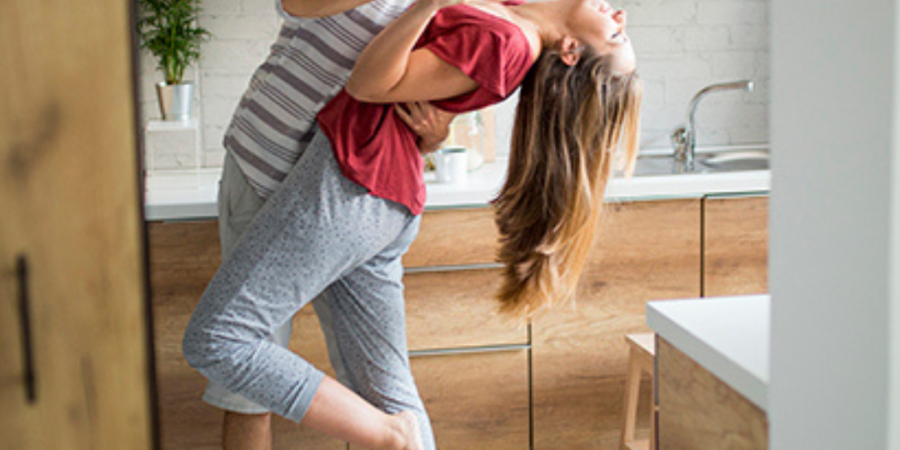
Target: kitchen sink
[[712, 160], [746, 160]]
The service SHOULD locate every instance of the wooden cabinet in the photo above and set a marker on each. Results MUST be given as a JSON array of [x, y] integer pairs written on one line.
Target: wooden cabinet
[[698, 411], [567, 369], [735, 245], [643, 251]]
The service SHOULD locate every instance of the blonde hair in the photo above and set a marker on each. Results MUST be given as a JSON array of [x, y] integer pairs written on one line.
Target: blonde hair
[[569, 125]]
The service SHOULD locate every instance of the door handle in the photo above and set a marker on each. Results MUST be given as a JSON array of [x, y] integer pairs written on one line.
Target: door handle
[[25, 318]]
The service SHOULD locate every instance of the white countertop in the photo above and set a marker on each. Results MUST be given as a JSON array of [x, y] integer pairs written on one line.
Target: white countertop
[[729, 336], [182, 195]]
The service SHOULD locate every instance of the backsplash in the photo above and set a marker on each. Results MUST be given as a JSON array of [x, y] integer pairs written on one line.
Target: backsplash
[[682, 46]]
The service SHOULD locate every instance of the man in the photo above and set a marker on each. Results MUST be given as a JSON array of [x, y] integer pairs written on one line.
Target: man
[[309, 63]]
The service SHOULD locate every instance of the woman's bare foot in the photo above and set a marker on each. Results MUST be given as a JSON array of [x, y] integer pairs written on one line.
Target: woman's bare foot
[[406, 428]]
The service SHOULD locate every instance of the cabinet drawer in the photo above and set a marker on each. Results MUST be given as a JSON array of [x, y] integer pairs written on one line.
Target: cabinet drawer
[[454, 237], [457, 309], [475, 401]]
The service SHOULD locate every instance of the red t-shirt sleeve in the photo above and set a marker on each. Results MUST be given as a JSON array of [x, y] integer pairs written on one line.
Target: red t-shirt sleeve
[[488, 56]]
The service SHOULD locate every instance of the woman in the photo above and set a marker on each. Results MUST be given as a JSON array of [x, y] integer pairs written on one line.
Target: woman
[[350, 207]]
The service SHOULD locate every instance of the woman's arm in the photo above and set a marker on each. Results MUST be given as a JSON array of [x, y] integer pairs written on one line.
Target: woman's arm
[[389, 70], [318, 8]]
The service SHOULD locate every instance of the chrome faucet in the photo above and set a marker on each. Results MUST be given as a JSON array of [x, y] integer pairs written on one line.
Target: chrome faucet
[[685, 139]]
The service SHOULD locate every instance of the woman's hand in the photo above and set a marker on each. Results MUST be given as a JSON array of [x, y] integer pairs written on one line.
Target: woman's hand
[[431, 124]]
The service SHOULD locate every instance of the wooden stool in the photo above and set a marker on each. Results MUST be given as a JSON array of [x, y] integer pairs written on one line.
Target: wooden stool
[[641, 349]]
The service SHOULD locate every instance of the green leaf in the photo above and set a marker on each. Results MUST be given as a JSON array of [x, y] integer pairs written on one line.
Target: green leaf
[[169, 30]]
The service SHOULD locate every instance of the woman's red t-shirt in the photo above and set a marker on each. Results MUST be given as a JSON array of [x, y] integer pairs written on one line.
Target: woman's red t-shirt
[[373, 146]]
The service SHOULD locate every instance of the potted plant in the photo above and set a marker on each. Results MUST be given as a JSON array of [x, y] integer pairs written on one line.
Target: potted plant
[[168, 28]]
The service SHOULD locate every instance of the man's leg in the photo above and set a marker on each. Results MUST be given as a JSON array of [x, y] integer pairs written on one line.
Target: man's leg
[[247, 431]]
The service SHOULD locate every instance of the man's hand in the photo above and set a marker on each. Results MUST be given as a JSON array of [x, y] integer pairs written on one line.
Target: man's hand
[[431, 124]]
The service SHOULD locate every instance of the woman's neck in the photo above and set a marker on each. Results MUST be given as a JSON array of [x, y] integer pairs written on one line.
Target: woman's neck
[[544, 19]]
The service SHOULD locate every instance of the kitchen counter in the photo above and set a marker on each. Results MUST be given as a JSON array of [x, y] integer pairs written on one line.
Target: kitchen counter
[[191, 195], [728, 336]]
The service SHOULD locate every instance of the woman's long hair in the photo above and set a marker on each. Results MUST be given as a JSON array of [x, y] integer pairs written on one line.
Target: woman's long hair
[[569, 125]]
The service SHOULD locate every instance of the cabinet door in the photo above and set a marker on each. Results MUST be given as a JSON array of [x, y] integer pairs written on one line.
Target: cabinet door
[[698, 411], [453, 309], [73, 313], [183, 258], [643, 251], [736, 235]]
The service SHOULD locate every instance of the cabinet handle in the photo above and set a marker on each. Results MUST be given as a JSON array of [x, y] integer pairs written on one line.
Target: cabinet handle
[[466, 350], [25, 318]]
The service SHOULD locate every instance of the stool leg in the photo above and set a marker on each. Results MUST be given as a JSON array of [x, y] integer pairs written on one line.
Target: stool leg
[[653, 409], [632, 388]]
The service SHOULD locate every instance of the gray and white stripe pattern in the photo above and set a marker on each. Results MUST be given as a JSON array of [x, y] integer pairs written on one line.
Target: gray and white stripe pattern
[[307, 66]]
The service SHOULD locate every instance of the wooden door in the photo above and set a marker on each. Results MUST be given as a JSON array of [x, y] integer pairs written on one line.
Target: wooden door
[[72, 276]]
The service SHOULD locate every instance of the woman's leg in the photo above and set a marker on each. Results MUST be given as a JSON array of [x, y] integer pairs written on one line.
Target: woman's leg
[[341, 413], [315, 229], [246, 425], [366, 313]]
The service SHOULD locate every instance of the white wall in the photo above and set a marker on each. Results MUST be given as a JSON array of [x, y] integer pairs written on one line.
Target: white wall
[[893, 416], [834, 219], [682, 46]]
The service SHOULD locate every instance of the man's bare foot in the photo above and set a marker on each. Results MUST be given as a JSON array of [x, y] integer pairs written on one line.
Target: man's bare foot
[[407, 428]]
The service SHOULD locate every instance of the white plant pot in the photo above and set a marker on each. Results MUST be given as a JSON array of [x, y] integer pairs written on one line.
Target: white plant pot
[[175, 100]]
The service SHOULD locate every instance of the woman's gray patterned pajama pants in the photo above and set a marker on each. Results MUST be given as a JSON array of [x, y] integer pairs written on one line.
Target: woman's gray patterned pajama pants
[[320, 232]]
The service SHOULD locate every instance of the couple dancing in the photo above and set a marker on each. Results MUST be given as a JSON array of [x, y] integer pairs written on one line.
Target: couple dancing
[[322, 192]]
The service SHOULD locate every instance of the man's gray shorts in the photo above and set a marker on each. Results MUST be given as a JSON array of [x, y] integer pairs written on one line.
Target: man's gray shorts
[[238, 204]]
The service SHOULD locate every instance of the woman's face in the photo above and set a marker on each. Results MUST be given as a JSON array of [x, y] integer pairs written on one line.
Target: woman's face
[[596, 23]]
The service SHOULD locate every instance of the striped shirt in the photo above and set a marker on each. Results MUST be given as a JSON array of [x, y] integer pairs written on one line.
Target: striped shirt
[[307, 65]]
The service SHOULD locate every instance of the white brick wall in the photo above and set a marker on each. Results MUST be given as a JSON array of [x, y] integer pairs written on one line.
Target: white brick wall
[[682, 46]]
